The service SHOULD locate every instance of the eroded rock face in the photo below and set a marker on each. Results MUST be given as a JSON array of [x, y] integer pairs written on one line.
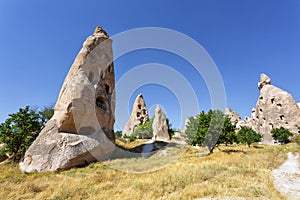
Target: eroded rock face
[[81, 130], [139, 115], [264, 80], [275, 108], [235, 118], [160, 126]]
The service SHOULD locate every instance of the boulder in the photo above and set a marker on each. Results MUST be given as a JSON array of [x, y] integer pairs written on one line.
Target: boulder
[[275, 108], [81, 129], [139, 115], [160, 126]]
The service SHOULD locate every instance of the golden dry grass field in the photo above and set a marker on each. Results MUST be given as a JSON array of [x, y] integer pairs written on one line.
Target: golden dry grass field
[[229, 172]]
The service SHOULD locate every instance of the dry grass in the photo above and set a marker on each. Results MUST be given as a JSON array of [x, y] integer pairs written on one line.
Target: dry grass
[[232, 172]]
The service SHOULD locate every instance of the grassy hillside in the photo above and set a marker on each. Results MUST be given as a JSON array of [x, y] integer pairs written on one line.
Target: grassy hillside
[[229, 172]]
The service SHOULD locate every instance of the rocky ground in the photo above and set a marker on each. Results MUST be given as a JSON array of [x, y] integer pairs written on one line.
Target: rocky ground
[[287, 177]]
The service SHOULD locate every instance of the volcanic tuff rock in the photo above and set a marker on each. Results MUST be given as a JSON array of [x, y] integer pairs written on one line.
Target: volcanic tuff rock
[[81, 130], [235, 118], [160, 126], [264, 80], [275, 108], [139, 115]]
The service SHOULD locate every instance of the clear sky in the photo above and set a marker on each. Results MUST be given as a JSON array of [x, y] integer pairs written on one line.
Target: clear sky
[[40, 39]]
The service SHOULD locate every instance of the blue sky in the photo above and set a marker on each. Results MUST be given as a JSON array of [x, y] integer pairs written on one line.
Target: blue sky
[[40, 39]]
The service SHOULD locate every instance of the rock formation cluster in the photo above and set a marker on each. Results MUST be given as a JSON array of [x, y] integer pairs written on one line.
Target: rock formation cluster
[[139, 115], [81, 130], [275, 108]]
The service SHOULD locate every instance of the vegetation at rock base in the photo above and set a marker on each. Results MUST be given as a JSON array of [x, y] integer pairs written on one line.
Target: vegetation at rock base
[[247, 135], [210, 129], [235, 172], [20, 130], [145, 130], [281, 134]]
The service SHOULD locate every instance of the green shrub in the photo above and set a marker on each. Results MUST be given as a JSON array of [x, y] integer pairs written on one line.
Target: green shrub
[[281, 134]]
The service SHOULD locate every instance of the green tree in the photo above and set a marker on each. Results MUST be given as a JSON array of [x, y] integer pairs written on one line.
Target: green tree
[[281, 134], [210, 129], [215, 129], [144, 131], [19, 131], [171, 131], [118, 134], [228, 135], [46, 113], [196, 129], [247, 135]]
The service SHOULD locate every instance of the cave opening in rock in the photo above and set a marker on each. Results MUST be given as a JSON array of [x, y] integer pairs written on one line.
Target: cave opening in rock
[[100, 103]]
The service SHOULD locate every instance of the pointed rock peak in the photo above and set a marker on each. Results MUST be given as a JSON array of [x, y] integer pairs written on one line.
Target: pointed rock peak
[[100, 31], [139, 96], [83, 121], [158, 109], [160, 126], [139, 115], [264, 80]]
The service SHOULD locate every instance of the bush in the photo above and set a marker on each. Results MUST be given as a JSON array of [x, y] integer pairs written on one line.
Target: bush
[[247, 135], [296, 139], [281, 134]]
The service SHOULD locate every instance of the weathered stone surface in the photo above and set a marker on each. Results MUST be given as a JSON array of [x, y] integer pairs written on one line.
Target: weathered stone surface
[[264, 80], [160, 126], [139, 115], [235, 118], [81, 130], [275, 108], [298, 105]]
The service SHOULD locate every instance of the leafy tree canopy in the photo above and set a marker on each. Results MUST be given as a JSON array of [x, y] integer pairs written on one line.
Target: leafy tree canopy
[[210, 129], [20, 130], [247, 135], [281, 134]]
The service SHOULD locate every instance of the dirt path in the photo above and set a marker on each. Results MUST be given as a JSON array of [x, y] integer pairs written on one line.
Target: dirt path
[[287, 177]]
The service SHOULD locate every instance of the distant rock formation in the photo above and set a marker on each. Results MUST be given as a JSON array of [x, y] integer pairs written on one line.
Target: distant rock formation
[[139, 115], [264, 80], [235, 118], [81, 130], [275, 108], [160, 126]]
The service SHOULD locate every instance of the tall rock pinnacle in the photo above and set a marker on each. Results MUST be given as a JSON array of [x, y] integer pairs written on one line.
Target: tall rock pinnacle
[[139, 115], [160, 126], [81, 130]]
